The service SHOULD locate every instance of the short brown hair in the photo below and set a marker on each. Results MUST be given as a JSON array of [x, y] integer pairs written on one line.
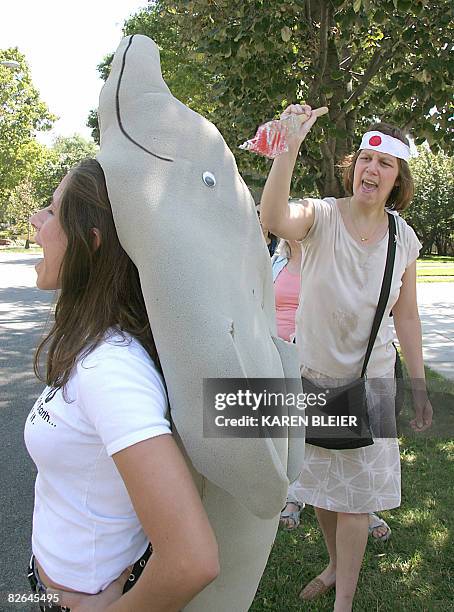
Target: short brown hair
[[100, 288], [402, 194]]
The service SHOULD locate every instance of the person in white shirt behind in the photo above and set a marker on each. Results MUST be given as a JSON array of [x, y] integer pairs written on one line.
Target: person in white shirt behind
[[108, 466]]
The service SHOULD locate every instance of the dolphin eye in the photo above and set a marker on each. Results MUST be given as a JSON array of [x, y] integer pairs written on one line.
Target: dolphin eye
[[209, 179]]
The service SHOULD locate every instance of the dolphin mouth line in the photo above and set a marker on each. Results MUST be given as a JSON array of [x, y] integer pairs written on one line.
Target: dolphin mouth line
[[117, 104]]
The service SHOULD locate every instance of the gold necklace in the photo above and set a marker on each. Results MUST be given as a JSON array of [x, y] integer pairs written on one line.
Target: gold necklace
[[362, 238]]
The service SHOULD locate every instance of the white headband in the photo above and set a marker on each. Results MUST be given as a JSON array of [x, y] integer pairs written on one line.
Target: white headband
[[377, 141]]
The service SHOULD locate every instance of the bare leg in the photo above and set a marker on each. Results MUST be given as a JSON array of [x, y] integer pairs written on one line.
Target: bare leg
[[324, 581], [351, 539], [328, 524]]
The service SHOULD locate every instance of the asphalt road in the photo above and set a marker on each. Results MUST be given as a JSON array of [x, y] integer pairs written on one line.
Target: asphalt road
[[24, 310]]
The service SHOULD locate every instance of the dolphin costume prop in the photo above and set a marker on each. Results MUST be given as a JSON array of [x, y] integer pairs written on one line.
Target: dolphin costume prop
[[187, 220]]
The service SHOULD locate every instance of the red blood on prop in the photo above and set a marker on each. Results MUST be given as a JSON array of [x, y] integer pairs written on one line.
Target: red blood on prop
[[375, 141], [268, 141]]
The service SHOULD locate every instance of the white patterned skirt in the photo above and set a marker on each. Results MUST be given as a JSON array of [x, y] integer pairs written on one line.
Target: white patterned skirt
[[355, 480]]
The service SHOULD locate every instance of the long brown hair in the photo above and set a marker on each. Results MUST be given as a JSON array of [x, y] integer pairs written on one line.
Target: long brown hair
[[401, 194], [100, 287]]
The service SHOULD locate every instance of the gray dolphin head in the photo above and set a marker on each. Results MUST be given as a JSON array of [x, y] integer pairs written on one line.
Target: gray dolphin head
[[186, 218]]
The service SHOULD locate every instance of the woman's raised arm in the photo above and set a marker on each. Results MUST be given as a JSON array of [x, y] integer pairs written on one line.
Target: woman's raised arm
[[291, 223]]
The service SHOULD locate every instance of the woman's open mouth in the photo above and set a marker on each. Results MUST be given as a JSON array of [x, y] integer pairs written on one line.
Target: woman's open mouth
[[368, 186]]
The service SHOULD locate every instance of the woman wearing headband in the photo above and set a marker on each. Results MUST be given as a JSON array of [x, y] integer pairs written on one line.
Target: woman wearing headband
[[345, 249]]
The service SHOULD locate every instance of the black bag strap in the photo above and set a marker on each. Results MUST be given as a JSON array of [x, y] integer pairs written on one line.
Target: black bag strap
[[385, 289]]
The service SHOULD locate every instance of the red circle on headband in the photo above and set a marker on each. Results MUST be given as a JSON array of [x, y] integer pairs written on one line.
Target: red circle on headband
[[375, 141]]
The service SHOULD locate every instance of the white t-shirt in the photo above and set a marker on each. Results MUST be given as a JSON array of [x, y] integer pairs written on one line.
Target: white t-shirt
[[85, 529], [340, 286]]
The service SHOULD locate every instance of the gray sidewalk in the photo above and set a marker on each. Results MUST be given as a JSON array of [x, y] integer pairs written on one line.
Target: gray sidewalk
[[24, 310], [436, 309]]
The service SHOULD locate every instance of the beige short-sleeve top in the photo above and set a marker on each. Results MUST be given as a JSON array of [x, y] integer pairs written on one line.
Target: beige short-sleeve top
[[340, 286]]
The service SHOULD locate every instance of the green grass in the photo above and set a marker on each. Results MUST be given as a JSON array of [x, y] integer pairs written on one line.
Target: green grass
[[441, 392], [34, 249], [435, 269], [436, 259], [414, 571]]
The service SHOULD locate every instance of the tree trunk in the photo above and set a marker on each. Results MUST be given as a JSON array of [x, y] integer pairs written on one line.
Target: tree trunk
[[426, 245]]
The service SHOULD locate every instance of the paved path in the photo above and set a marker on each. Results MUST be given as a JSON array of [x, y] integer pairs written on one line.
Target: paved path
[[24, 311], [436, 308]]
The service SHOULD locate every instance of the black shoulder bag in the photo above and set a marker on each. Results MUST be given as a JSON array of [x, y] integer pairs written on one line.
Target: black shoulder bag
[[339, 418]]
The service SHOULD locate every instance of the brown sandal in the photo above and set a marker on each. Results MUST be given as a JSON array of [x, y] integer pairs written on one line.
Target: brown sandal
[[315, 589]]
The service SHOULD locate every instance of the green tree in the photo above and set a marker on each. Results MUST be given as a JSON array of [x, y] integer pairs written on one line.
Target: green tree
[[184, 72], [65, 153], [92, 122], [43, 168], [364, 59], [22, 115], [432, 212], [21, 205]]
